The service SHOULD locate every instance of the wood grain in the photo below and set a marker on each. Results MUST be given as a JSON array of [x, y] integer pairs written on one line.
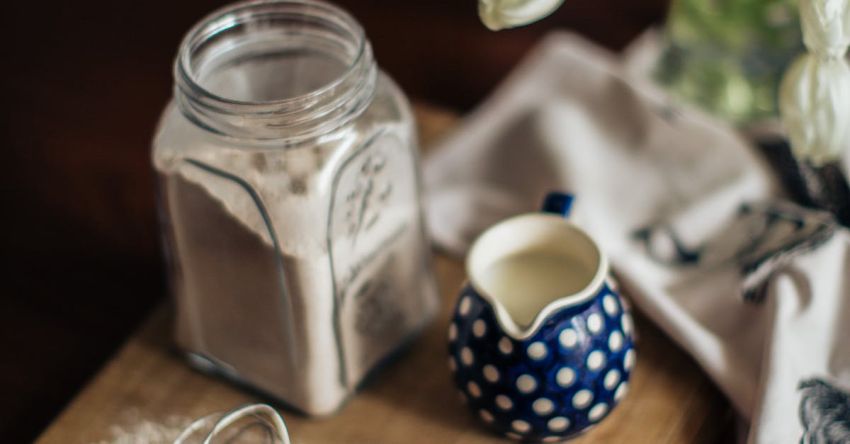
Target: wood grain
[[411, 401]]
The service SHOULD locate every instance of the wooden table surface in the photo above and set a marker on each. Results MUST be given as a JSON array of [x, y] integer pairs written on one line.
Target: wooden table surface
[[146, 393]]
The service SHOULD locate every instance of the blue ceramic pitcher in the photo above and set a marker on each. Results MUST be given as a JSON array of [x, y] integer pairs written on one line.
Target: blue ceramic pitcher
[[541, 343]]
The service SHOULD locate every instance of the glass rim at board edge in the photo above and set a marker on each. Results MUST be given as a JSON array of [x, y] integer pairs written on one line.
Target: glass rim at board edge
[[240, 13]]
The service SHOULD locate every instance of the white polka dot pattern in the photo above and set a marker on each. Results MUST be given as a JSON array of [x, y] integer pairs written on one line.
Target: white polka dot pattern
[[466, 356], [526, 383], [550, 385], [473, 389], [568, 338], [595, 360], [479, 328], [504, 403], [465, 305], [490, 373], [537, 351], [486, 416], [629, 359], [521, 426], [582, 398], [609, 304], [543, 406], [597, 412], [558, 424], [621, 391], [611, 379], [565, 377], [615, 341], [627, 324], [505, 346], [594, 323]]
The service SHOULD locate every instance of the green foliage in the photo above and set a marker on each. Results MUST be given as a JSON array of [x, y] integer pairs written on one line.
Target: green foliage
[[728, 56]]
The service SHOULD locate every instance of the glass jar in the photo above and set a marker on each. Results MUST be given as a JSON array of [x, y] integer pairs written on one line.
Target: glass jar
[[290, 194]]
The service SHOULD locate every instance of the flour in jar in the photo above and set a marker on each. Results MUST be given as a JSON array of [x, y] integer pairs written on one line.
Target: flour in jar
[[277, 270]]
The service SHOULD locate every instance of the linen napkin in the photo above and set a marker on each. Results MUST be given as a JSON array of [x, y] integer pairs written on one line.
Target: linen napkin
[[756, 289]]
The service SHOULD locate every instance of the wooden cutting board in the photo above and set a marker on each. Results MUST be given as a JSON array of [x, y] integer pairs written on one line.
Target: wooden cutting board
[[146, 392]]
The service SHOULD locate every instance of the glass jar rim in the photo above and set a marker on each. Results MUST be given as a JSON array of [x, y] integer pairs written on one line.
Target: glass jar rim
[[242, 12], [297, 117]]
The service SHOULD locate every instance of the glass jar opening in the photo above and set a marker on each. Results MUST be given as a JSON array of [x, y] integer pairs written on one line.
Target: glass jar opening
[[274, 68]]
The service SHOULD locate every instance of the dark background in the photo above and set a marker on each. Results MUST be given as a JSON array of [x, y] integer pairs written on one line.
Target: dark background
[[83, 85]]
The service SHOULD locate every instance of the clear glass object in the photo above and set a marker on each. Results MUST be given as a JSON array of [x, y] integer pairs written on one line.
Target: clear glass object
[[254, 423], [290, 195]]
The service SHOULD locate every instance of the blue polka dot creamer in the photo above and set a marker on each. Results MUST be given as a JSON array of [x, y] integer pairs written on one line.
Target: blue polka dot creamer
[[563, 372]]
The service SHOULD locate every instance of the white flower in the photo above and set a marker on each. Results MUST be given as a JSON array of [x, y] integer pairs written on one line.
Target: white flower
[[826, 26], [814, 98], [815, 104], [501, 14]]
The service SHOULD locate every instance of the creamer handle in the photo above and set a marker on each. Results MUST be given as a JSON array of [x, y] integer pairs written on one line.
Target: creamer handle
[[558, 203]]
